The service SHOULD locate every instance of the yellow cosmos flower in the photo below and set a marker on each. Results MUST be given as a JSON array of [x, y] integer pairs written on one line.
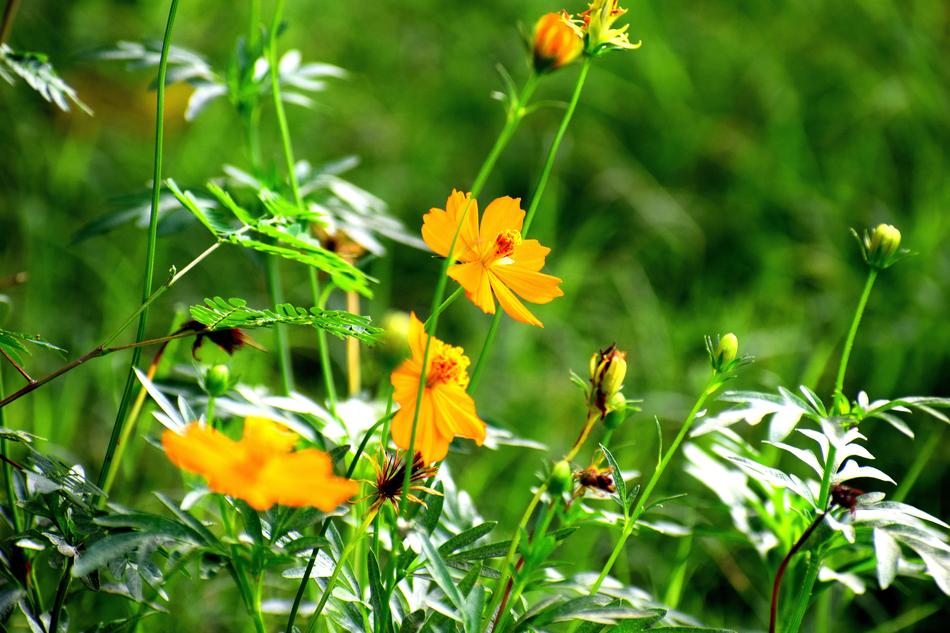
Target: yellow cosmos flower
[[260, 468], [446, 410], [557, 41], [495, 260], [597, 20]]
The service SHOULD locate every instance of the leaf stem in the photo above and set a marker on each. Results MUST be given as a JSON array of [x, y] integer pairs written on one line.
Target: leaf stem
[[151, 244], [777, 584], [276, 296], [515, 115], [8, 14], [8, 473], [539, 189], [17, 366], [320, 301], [811, 575], [60, 598]]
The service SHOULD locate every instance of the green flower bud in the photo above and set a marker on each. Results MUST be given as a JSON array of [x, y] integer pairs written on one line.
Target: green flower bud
[[217, 380], [562, 479], [616, 411], [608, 369], [728, 348], [881, 246], [395, 334]]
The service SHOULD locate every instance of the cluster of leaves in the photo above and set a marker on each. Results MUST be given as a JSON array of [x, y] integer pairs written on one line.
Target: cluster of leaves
[[15, 344], [770, 507]]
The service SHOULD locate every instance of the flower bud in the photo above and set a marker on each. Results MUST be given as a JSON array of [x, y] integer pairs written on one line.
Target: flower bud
[[395, 333], [217, 380], [728, 349], [608, 369], [562, 479], [885, 239], [557, 42], [616, 411]]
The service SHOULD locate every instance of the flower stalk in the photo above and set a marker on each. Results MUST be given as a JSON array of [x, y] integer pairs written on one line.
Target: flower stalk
[[149, 249]]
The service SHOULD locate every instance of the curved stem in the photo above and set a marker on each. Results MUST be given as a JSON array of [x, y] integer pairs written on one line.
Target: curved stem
[[853, 331], [811, 575], [539, 189], [130, 380], [516, 114]]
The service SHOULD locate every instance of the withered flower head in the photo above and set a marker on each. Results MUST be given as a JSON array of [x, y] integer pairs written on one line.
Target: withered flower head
[[594, 478], [845, 497], [228, 339], [390, 476]]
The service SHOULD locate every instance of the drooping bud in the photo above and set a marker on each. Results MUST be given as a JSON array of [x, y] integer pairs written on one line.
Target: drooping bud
[[217, 380], [562, 479], [608, 369], [881, 246], [557, 42]]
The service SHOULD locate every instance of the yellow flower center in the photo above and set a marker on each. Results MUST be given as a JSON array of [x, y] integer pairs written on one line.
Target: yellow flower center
[[449, 365], [505, 243]]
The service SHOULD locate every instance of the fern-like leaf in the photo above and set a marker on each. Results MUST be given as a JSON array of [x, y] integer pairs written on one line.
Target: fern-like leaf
[[219, 313], [15, 344], [39, 74]]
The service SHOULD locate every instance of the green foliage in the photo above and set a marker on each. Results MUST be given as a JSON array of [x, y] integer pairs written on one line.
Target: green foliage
[[219, 314], [15, 344], [39, 74]]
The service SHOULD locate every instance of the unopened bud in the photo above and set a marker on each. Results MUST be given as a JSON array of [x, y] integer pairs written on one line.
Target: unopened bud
[[217, 380], [884, 241], [395, 332], [616, 411], [557, 42], [562, 479], [728, 348], [608, 370]]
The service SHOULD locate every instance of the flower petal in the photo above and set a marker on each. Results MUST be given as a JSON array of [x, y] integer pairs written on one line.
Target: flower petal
[[509, 302], [530, 254], [429, 441], [500, 215], [457, 416], [417, 337], [473, 277], [439, 226], [305, 478], [529, 285]]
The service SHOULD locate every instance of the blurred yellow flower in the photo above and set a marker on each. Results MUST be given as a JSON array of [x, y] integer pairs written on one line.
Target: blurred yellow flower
[[557, 41], [260, 468], [495, 260], [446, 410], [597, 21]]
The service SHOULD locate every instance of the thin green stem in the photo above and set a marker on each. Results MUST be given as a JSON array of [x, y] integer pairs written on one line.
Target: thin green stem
[[258, 599], [60, 599], [12, 507], [811, 575], [150, 248], [445, 304], [516, 114], [8, 14], [344, 555], [539, 189], [320, 301], [921, 458], [279, 104], [276, 295], [301, 589], [853, 331], [711, 387]]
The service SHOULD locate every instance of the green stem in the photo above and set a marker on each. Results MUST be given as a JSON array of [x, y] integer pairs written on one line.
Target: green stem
[[130, 380], [258, 599], [12, 507], [811, 575], [344, 555], [8, 14], [539, 189], [301, 589], [445, 304], [276, 295], [921, 458], [711, 387], [853, 332], [320, 301], [60, 598], [279, 104], [515, 115]]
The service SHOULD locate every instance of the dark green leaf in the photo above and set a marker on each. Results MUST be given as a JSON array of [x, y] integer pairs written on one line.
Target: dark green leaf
[[466, 538]]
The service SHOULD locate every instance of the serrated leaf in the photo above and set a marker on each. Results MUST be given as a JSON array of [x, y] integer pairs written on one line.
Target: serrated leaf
[[774, 476], [110, 548], [152, 524], [39, 74]]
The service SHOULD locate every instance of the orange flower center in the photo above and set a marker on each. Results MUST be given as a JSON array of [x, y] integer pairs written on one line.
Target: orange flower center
[[449, 366], [505, 243]]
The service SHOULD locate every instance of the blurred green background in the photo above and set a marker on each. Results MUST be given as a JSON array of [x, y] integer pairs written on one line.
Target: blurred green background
[[707, 184]]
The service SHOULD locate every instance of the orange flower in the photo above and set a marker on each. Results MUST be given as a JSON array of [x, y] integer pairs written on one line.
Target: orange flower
[[557, 41], [260, 468], [495, 259], [446, 410]]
